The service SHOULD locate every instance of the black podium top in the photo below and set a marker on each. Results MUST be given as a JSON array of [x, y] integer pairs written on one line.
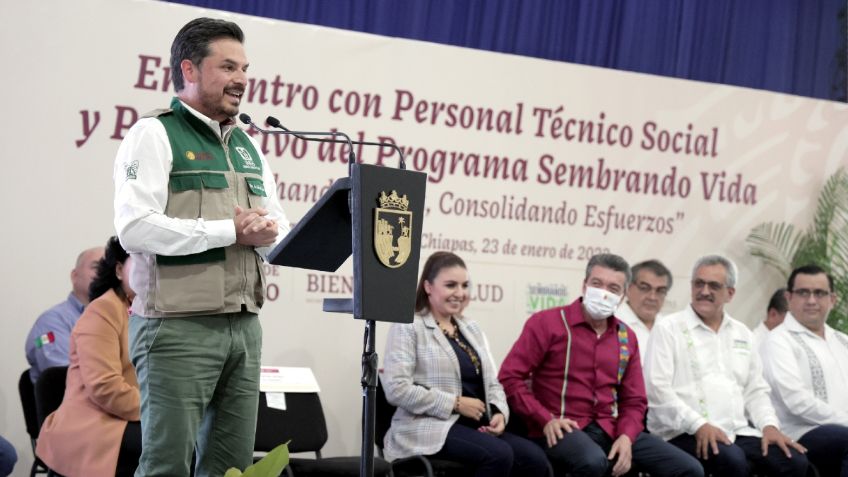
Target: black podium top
[[321, 240], [377, 215]]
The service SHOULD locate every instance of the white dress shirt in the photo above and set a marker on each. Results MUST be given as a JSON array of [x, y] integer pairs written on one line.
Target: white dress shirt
[[808, 376], [761, 333], [643, 333], [140, 202], [696, 375]]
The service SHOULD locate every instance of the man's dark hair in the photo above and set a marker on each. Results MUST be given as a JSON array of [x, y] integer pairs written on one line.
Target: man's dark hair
[[106, 278], [611, 261], [778, 302], [192, 43], [654, 266], [810, 269]]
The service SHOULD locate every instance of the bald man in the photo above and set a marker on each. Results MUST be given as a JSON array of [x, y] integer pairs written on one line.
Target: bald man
[[47, 341]]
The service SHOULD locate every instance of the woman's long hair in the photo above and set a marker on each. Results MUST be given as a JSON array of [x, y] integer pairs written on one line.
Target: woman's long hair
[[107, 278], [435, 263]]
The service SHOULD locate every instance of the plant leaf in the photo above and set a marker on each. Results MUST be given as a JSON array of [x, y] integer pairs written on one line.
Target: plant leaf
[[775, 244], [823, 243], [233, 472], [272, 464]]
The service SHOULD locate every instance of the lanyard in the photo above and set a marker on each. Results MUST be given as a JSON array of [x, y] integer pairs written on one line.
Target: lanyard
[[696, 370], [567, 364], [623, 359]]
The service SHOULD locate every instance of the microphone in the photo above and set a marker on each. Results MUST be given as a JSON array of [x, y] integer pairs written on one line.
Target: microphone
[[300, 134], [275, 123]]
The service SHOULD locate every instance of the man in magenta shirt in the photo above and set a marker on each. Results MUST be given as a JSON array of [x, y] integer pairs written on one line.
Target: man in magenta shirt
[[574, 378]]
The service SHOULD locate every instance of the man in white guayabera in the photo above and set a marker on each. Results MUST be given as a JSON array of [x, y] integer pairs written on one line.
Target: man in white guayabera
[[806, 365], [705, 381]]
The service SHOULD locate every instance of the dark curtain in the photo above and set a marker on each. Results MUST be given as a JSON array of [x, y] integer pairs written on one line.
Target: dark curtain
[[789, 46]]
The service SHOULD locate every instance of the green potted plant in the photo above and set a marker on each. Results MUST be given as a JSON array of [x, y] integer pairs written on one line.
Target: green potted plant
[[269, 466], [824, 243]]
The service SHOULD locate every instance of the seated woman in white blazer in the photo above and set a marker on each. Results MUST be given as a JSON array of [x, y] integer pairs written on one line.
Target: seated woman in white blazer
[[439, 373]]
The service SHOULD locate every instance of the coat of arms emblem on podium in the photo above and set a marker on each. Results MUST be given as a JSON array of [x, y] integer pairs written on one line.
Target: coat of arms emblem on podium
[[393, 229]]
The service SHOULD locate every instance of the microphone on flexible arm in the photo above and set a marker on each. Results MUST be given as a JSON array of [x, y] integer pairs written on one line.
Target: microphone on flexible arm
[[275, 123], [245, 118]]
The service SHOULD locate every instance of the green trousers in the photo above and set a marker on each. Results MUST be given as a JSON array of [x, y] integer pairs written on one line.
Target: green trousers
[[199, 380]]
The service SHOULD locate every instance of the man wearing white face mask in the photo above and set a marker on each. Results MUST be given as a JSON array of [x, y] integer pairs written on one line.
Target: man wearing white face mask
[[574, 377]]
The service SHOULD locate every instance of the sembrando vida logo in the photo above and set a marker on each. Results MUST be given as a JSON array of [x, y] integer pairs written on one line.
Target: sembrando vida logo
[[541, 296]]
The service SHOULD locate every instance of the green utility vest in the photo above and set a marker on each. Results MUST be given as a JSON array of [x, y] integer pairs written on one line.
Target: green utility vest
[[208, 178]]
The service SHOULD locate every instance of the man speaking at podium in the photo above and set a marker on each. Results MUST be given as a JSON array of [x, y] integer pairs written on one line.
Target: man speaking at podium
[[195, 204]]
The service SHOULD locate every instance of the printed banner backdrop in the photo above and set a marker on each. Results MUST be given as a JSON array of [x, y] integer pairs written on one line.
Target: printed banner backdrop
[[533, 167]]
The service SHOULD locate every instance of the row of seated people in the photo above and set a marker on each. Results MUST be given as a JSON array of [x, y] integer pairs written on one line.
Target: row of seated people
[[573, 379], [581, 385]]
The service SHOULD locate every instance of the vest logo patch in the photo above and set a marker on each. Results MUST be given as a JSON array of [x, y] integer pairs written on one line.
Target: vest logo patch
[[246, 160], [198, 156], [131, 170]]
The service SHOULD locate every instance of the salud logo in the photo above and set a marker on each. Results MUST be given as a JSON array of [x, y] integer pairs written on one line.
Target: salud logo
[[246, 159], [392, 229]]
